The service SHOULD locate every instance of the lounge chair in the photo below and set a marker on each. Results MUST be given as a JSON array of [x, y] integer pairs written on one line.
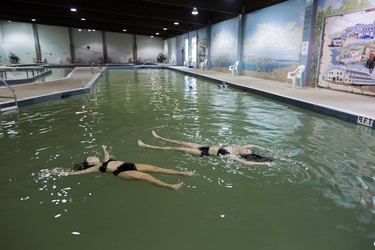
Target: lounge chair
[[233, 68], [296, 75]]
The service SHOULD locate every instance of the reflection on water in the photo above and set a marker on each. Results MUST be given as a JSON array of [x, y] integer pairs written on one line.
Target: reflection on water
[[322, 185]]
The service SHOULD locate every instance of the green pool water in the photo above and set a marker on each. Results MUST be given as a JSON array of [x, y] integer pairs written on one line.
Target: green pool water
[[319, 195]]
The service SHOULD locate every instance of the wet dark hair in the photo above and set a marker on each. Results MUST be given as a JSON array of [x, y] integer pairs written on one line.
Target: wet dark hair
[[256, 157], [81, 166]]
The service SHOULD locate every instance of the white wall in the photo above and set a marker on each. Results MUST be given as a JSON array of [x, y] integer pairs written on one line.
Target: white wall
[[17, 38], [88, 45], [149, 48], [170, 50], [119, 47], [54, 43], [181, 46]]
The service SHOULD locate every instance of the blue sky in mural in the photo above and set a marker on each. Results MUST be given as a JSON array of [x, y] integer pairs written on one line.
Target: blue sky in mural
[[224, 38], [350, 20], [276, 31], [322, 4]]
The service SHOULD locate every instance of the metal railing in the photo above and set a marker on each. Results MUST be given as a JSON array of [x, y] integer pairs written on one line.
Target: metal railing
[[13, 92]]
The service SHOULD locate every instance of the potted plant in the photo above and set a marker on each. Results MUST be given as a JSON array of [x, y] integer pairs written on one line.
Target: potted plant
[[13, 58], [190, 62], [161, 58]]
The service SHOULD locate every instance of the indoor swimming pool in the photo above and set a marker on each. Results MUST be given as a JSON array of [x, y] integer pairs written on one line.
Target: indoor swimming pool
[[319, 195]]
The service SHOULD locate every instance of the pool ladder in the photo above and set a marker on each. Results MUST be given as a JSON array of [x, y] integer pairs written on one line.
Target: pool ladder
[[13, 107]]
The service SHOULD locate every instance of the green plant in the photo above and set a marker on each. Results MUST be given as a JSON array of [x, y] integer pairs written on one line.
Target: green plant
[[13, 58], [161, 58]]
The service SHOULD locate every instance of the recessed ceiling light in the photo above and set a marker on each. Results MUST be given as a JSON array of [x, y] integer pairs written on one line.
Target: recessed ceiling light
[[33, 20], [79, 30], [157, 33], [195, 11], [89, 30], [73, 9], [176, 23], [152, 36], [93, 30], [124, 30], [164, 28], [83, 19]]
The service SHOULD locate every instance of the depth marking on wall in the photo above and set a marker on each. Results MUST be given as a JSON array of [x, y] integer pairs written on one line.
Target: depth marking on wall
[[365, 121]]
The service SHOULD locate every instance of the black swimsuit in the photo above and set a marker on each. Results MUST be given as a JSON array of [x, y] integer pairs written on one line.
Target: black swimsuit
[[221, 151], [126, 166], [204, 151], [256, 157]]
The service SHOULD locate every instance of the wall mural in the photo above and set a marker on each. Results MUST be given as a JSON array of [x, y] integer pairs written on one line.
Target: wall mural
[[347, 52], [224, 37], [272, 43], [202, 45], [329, 8]]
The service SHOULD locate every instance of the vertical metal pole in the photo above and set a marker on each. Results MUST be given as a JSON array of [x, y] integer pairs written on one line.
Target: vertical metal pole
[[105, 54], [72, 52], [38, 53], [308, 37], [135, 57], [241, 31], [208, 45]]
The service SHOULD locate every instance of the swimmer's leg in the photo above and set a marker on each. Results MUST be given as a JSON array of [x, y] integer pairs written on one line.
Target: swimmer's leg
[[136, 175], [184, 143], [147, 168], [192, 151]]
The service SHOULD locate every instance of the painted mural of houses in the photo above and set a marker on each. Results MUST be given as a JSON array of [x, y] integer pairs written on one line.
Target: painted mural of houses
[[348, 76], [360, 30], [350, 57]]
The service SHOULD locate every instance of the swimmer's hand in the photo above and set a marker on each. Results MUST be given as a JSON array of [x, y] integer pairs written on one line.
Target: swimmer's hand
[[55, 172], [269, 163]]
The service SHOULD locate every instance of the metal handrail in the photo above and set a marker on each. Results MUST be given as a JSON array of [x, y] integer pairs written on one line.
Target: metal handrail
[[145, 61], [11, 89]]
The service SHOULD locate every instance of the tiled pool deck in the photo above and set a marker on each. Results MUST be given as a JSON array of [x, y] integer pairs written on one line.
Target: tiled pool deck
[[349, 107], [79, 81]]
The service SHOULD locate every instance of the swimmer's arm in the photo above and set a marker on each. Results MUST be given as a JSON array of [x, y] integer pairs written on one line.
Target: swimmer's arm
[[249, 146], [105, 152], [85, 171], [250, 163]]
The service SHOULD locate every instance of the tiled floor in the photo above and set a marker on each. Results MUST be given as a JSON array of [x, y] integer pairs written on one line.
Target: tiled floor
[[345, 106]]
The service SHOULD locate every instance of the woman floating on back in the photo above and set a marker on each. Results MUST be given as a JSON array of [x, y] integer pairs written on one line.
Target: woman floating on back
[[242, 154], [125, 170]]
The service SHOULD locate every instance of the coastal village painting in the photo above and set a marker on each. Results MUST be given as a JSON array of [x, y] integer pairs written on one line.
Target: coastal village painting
[[347, 43]]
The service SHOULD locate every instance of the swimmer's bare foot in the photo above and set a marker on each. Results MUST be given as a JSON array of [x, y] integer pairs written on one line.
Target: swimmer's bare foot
[[154, 134], [141, 144], [176, 186], [190, 173]]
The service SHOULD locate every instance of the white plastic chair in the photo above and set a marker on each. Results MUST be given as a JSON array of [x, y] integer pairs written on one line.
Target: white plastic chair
[[233, 68], [203, 65], [296, 75]]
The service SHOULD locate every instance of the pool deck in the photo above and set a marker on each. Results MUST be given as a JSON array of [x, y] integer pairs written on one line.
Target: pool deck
[[79, 81], [354, 108]]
